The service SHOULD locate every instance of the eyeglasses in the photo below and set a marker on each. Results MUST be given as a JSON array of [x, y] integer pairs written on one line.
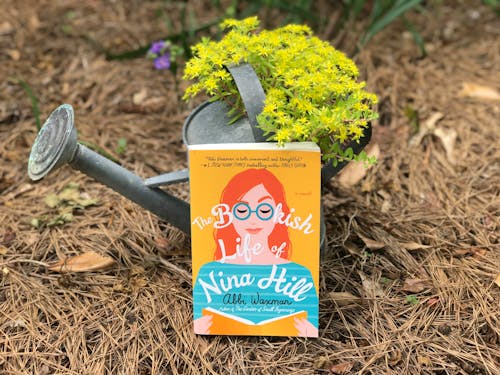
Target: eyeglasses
[[242, 211]]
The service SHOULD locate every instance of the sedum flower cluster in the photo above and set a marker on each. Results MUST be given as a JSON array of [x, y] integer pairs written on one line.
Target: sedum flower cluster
[[311, 89]]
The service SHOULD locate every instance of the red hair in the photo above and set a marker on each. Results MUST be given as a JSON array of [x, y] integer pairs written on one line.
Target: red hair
[[236, 188]]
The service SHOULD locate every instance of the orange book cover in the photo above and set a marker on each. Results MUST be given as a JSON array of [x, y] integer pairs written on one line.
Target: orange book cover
[[255, 236]]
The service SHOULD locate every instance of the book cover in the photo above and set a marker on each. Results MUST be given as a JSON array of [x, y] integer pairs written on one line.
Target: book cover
[[255, 236]]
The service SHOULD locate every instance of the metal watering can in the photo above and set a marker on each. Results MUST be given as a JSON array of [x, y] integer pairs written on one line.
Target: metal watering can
[[57, 144]]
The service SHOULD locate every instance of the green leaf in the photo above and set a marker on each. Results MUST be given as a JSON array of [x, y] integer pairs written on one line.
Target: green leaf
[[70, 193], [52, 200], [413, 118], [99, 150], [416, 37], [356, 6], [349, 153], [82, 202], [34, 102], [412, 299], [382, 21], [122, 146], [35, 223]]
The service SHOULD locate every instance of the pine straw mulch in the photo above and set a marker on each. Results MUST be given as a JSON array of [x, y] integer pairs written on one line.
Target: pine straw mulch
[[408, 278]]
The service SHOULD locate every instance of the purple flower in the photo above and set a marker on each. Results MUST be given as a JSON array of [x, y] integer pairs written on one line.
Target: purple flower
[[162, 62], [156, 47]]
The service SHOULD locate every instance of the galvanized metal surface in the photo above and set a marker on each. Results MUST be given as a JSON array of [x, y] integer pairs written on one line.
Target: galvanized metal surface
[[131, 186], [57, 145], [209, 122], [251, 93], [168, 178]]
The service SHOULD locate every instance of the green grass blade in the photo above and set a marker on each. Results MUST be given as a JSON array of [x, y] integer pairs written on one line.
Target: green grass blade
[[379, 8], [397, 10], [99, 150], [34, 102], [356, 6], [416, 36]]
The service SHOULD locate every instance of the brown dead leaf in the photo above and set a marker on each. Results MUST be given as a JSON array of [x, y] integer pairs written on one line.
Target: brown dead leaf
[[3, 250], [473, 90], [127, 107], [34, 22], [371, 287], [45, 370], [154, 104], [354, 172], [14, 54], [322, 362], [162, 243], [462, 252], [426, 128], [416, 285], [8, 237], [66, 88], [90, 261], [433, 301], [413, 246], [6, 28], [353, 249], [386, 206], [371, 244], [342, 368], [344, 298], [476, 252], [423, 360], [394, 357], [31, 238], [497, 280], [16, 323], [137, 283], [448, 138], [138, 97], [137, 270], [118, 287]]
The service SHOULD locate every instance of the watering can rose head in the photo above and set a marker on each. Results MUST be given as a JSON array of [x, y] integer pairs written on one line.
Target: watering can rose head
[[311, 88]]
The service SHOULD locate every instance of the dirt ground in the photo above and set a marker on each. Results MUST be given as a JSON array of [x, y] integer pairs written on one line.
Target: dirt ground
[[410, 277]]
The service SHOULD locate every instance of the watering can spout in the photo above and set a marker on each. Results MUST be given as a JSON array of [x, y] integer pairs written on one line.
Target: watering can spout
[[57, 145]]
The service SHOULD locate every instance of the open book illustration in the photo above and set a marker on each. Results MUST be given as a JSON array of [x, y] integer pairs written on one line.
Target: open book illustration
[[236, 325], [209, 310]]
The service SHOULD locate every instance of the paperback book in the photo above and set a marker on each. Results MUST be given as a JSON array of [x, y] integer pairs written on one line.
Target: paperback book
[[255, 233]]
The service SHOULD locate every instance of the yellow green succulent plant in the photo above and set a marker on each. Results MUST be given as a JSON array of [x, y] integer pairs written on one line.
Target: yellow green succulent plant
[[311, 88]]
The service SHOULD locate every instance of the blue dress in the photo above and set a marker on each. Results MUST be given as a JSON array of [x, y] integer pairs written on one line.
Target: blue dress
[[256, 293]]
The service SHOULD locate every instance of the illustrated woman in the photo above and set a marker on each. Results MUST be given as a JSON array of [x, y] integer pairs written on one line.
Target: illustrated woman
[[252, 276]]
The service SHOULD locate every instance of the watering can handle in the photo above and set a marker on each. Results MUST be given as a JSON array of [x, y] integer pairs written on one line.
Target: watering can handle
[[253, 97], [252, 94]]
